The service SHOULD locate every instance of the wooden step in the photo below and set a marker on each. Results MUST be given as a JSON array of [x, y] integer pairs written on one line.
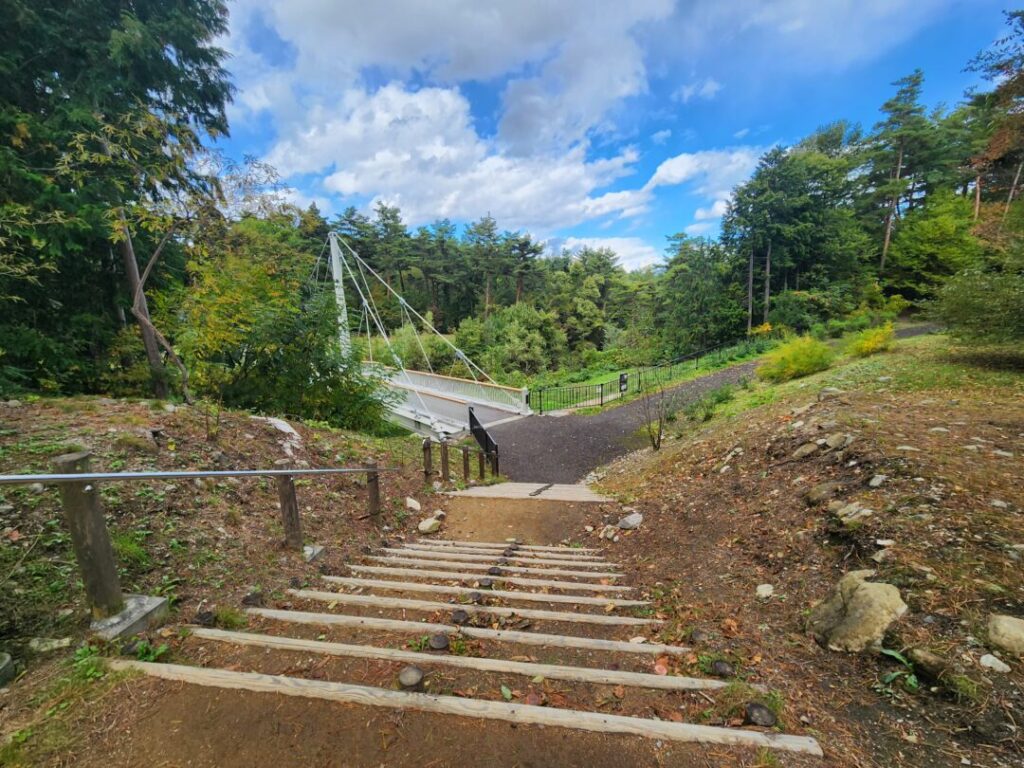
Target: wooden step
[[454, 576], [450, 705], [567, 555], [417, 563], [504, 545], [501, 635], [529, 669], [531, 597], [492, 559], [375, 601]]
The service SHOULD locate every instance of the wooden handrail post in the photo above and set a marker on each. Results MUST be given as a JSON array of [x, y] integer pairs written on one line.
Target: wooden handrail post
[[372, 488], [428, 470], [465, 463], [289, 508], [445, 473], [494, 462], [480, 461], [90, 538]]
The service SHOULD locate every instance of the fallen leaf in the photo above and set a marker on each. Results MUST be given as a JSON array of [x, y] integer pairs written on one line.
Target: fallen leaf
[[619, 691], [506, 693], [534, 699]]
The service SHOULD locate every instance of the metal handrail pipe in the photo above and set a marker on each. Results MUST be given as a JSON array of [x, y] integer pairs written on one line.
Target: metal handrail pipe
[[117, 476]]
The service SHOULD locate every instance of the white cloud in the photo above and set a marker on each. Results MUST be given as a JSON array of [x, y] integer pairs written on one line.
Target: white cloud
[[698, 229], [633, 252], [716, 211], [714, 172], [741, 133], [419, 150], [701, 89], [660, 137]]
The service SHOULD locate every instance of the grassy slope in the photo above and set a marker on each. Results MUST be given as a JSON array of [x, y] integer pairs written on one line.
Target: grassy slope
[[718, 523]]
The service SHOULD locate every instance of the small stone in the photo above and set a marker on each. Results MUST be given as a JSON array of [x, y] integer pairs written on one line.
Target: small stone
[[765, 591], [485, 583], [631, 521], [756, 713], [459, 616], [37, 487], [805, 450], [1006, 632], [494, 571], [588, 528], [827, 393], [877, 480], [411, 503], [430, 525], [938, 430], [908, 448], [47, 645], [638, 640], [476, 597], [822, 492], [720, 668], [988, 661], [699, 637], [884, 379], [972, 447], [311, 552], [998, 504], [438, 642], [169, 407], [885, 542], [1004, 454], [206, 618], [838, 440], [254, 598], [436, 485], [439, 514], [411, 678]]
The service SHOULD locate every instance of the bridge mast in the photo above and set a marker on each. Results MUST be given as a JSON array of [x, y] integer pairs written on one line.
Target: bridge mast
[[344, 338]]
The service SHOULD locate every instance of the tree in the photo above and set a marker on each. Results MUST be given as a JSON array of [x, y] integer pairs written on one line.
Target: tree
[[488, 254]]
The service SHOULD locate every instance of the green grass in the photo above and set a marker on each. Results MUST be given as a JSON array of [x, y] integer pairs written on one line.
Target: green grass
[[226, 617]]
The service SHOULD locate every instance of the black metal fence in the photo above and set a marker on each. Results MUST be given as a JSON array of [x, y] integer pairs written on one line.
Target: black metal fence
[[630, 382]]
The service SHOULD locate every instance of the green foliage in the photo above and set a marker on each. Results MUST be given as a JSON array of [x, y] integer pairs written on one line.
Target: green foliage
[[230, 618], [980, 305], [797, 357], [871, 341], [703, 409]]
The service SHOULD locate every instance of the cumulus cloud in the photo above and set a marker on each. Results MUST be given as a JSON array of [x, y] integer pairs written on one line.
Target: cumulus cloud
[[633, 252], [660, 137]]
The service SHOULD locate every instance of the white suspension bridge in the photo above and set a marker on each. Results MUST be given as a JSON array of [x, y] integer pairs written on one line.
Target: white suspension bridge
[[426, 402]]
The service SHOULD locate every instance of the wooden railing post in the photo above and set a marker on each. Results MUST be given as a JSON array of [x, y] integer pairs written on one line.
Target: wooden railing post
[[90, 538], [372, 488], [494, 462], [480, 468], [289, 508], [428, 470], [445, 474], [465, 463]]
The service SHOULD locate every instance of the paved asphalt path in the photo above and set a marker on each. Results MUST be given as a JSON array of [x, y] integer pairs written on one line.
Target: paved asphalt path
[[563, 449]]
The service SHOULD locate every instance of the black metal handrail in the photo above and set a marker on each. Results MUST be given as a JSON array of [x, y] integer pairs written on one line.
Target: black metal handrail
[[189, 474], [628, 382]]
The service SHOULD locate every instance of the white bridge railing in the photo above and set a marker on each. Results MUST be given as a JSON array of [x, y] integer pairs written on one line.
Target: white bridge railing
[[493, 395]]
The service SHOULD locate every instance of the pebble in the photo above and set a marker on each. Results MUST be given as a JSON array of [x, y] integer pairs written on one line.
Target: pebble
[[938, 429], [411, 503], [410, 678], [638, 640], [37, 487], [998, 504], [46, 644], [877, 480], [988, 661], [438, 642], [805, 450], [971, 447], [699, 637], [720, 668], [765, 591], [459, 616], [1004, 454], [631, 521], [908, 448], [756, 713], [430, 525]]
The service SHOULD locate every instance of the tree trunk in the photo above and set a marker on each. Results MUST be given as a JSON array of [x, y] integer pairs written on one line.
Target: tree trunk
[[750, 292], [1013, 190], [131, 266], [487, 296], [890, 217], [767, 280], [519, 287], [977, 196]]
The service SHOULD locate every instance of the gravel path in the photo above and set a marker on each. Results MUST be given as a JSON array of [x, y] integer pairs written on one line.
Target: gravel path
[[563, 449]]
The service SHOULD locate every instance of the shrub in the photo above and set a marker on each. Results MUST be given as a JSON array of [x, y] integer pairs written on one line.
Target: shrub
[[871, 341], [798, 357]]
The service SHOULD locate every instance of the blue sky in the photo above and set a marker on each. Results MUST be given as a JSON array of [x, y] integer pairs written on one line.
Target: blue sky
[[595, 122]]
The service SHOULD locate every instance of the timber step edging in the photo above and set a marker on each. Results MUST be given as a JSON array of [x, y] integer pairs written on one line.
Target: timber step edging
[[571, 586]]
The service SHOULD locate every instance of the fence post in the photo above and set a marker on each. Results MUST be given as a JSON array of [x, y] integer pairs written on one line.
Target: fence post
[[89, 538], [465, 463], [494, 462], [602, 393], [540, 400], [445, 474], [480, 461], [372, 488], [289, 507], [428, 470]]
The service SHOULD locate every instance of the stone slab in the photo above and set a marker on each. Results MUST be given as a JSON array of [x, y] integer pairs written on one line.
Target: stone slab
[[543, 491], [140, 613], [311, 552]]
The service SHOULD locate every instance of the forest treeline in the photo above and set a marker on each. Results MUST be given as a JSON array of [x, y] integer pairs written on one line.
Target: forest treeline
[[134, 259]]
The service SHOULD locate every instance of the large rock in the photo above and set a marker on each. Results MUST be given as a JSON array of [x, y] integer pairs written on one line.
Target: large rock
[[856, 615], [1006, 632], [430, 525], [631, 521], [822, 492]]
